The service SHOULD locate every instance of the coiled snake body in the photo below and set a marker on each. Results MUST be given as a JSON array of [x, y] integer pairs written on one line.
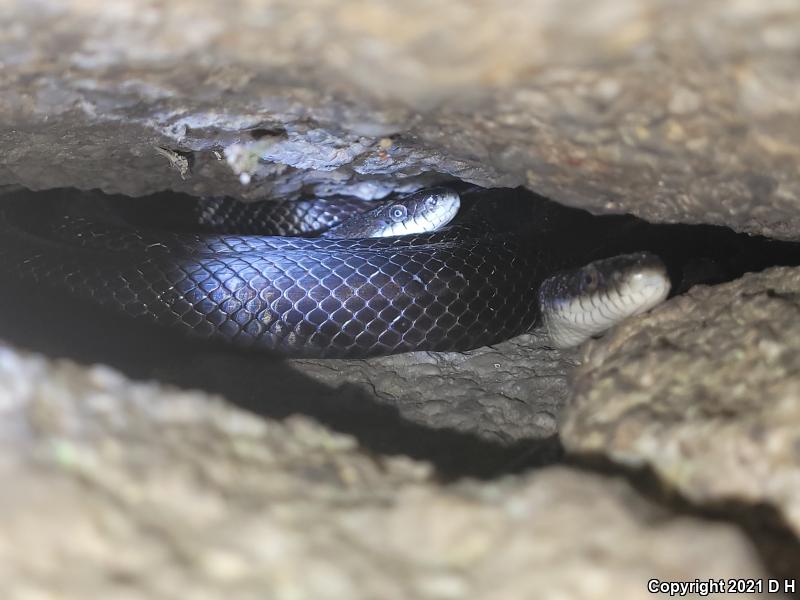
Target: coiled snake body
[[473, 283]]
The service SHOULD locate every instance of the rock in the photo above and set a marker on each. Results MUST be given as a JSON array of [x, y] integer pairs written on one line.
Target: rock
[[705, 392], [131, 490], [507, 393], [615, 105]]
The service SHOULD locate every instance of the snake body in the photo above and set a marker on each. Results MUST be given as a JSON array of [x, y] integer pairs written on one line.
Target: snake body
[[473, 283]]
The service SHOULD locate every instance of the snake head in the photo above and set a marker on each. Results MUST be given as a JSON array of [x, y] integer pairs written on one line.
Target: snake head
[[585, 302], [422, 212]]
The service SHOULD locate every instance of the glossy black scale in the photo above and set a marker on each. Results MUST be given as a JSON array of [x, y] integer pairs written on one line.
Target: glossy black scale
[[468, 285], [471, 284]]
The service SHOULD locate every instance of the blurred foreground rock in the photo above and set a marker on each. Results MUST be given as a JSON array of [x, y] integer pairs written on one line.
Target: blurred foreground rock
[[134, 491], [675, 111]]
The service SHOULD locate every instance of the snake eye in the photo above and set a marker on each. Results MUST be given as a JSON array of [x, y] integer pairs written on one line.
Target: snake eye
[[398, 212], [590, 279]]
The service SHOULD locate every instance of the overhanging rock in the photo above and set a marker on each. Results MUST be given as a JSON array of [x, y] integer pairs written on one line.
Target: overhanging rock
[[682, 114]]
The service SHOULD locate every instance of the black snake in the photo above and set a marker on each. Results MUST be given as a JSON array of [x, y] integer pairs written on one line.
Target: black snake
[[499, 269]]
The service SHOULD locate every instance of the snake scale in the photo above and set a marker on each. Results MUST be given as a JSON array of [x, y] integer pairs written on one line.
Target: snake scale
[[484, 278]]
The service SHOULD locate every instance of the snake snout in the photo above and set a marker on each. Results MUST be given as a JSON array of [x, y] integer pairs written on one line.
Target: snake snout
[[644, 284], [432, 209], [443, 201]]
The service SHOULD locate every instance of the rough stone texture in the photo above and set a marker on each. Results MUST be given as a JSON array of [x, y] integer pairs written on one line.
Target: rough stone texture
[[705, 391], [135, 491], [510, 392], [672, 110]]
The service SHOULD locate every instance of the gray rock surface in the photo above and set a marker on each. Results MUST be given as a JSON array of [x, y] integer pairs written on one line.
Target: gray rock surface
[[131, 490], [674, 111], [705, 391], [510, 392]]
